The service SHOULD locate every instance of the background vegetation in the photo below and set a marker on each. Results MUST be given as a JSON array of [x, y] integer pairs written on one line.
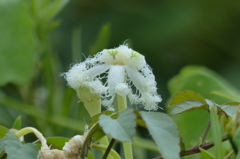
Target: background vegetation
[[41, 39]]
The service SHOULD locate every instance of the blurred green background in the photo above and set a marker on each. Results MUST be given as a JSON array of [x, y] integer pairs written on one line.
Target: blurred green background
[[170, 34], [40, 39]]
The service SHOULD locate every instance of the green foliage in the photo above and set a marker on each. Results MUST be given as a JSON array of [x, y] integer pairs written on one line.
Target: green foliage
[[216, 132], [236, 140], [206, 155], [3, 131], [164, 132], [15, 149], [57, 142], [17, 43], [122, 128], [102, 40], [188, 100], [203, 81], [31, 87], [17, 123], [206, 83], [95, 122]]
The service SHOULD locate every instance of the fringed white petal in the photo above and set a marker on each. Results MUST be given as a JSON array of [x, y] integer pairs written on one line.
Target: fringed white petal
[[123, 67], [137, 78], [115, 76], [97, 70]]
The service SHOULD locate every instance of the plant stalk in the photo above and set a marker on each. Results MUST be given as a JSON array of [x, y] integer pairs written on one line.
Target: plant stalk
[[127, 146]]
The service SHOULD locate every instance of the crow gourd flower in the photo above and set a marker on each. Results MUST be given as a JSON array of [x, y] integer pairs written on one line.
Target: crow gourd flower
[[120, 71]]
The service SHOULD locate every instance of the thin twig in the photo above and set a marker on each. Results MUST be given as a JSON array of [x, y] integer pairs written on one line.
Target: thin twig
[[204, 146], [195, 149], [108, 148], [203, 137], [229, 155]]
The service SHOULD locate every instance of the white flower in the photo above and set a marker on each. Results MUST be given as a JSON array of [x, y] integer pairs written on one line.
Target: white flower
[[115, 71]]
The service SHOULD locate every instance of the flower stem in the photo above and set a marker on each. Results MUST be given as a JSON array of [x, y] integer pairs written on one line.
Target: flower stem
[[109, 148], [112, 152], [203, 137], [122, 103], [127, 146], [92, 103], [38, 134]]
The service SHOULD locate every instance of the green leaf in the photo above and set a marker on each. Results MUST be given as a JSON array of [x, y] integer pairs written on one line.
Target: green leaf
[[187, 106], [203, 81], [99, 133], [95, 118], [164, 132], [15, 149], [187, 100], [54, 8], [187, 95], [17, 123], [122, 128], [3, 131], [57, 142], [236, 140], [216, 132], [205, 154], [229, 108], [17, 43]]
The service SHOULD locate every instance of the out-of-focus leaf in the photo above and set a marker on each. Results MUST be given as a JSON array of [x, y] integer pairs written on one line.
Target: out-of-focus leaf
[[1, 146], [203, 81], [216, 132], [3, 131], [17, 43], [148, 144], [54, 8], [122, 128], [57, 142], [15, 149], [17, 123], [102, 39], [205, 154], [164, 132], [139, 119], [236, 140]]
